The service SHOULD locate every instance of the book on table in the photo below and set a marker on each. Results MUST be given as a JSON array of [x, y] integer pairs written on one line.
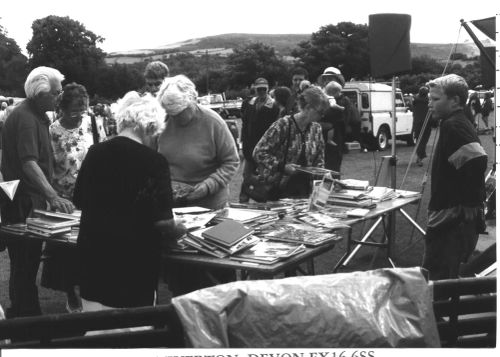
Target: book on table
[[227, 233], [298, 233], [76, 215], [269, 252], [50, 223], [353, 184], [242, 215], [198, 237], [47, 233], [202, 246]]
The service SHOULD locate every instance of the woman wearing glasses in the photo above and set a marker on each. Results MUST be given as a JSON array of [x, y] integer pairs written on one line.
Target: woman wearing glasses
[[71, 137], [291, 142]]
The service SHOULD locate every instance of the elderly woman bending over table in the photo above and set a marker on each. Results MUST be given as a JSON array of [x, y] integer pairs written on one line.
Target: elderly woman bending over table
[[197, 144], [202, 155]]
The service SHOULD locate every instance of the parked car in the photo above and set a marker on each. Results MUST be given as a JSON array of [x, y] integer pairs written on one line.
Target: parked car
[[374, 102]]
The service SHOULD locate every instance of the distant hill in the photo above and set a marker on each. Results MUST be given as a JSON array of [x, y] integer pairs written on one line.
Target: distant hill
[[283, 43]]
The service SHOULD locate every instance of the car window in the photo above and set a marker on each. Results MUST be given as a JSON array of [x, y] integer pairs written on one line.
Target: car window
[[399, 100], [365, 101]]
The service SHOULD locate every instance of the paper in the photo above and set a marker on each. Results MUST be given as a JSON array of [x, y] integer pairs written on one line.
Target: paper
[[10, 188]]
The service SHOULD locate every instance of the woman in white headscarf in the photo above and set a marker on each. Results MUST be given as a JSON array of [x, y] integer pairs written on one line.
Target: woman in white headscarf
[[197, 144]]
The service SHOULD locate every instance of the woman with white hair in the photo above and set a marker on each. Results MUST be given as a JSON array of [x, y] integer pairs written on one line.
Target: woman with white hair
[[197, 144], [202, 156], [125, 195]]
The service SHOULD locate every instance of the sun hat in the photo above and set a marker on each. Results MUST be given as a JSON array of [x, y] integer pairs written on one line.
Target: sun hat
[[261, 83]]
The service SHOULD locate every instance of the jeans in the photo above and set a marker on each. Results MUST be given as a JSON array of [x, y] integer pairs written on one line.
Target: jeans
[[24, 258]]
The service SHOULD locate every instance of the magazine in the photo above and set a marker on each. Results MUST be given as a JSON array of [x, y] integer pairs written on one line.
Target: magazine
[[298, 233], [269, 252]]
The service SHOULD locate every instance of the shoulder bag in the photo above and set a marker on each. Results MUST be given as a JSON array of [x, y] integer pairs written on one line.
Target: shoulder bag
[[257, 189]]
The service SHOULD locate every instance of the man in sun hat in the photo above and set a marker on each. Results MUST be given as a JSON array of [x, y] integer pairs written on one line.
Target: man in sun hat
[[332, 74], [259, 114]]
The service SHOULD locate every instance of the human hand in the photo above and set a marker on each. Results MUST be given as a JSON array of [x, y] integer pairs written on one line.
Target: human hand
[[61, 204], [199, 191]]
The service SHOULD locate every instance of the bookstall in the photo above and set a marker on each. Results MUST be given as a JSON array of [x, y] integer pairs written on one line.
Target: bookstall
[[261, 239]]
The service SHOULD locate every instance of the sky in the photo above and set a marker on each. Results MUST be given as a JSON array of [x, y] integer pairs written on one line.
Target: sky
[[144, 24]]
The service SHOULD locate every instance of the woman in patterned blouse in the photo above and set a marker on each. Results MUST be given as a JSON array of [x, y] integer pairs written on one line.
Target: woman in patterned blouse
[[293, 141], [71, 138]]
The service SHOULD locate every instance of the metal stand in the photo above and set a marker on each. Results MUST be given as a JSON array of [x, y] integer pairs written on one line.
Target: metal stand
[[388, 220], [386, 242]]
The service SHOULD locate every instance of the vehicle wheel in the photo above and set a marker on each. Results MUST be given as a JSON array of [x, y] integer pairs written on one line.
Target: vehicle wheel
[[383, 138], [411, 139]]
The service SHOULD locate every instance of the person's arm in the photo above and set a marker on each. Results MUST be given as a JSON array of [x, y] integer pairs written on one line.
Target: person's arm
[[228, 160], [36, 175], [268, 151]]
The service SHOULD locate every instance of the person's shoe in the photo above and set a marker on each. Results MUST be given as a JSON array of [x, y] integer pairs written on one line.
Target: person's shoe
[[419, 162]]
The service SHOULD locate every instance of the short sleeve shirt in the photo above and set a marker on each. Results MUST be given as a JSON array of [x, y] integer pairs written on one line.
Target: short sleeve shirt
[[70, 147], [25, 137]]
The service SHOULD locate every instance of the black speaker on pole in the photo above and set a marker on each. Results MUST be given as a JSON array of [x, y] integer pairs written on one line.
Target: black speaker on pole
[[487, 70], [389, 38]]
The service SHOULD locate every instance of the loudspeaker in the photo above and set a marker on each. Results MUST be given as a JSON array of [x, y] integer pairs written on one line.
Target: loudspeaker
[[389, 39], [487, 71]]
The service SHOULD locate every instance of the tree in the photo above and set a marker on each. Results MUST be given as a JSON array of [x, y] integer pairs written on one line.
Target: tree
[[344, 45], [66, 44], [255, 60], [13, 66]]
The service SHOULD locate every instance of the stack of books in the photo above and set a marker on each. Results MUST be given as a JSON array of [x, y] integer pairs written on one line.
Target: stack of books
[[350, 198], [269, 252], [250, 217], [352, 184], [380, 194], [298, 233], [221, 240], [50, 224]]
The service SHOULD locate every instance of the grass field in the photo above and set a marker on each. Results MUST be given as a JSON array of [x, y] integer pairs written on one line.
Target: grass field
[[408, 248]]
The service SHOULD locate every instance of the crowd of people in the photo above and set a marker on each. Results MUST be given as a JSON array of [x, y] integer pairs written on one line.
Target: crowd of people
[[124, 182]]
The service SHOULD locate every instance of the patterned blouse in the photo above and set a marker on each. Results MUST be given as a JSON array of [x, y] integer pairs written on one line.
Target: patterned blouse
[[70, 147], [269, 151]]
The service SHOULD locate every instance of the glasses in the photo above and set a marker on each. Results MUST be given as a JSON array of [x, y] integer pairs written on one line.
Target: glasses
[[56, 93]]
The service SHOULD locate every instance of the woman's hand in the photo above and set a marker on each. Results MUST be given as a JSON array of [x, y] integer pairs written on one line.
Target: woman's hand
[[290, 169], [199, 191]]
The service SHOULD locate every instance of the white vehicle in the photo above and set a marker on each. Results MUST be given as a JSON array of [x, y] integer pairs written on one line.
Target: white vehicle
[[374, 102]]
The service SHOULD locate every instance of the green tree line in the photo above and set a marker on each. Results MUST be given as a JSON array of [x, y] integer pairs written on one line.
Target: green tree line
[[67, 45]]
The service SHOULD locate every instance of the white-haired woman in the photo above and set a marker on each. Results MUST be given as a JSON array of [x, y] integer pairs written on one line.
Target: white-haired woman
[[124, 192], [197, 144], [202, 154]]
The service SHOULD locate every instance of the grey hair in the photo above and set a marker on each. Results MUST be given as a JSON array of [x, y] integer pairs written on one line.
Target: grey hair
[[177, 93], [39, 80], [452, 85], [134, 111]]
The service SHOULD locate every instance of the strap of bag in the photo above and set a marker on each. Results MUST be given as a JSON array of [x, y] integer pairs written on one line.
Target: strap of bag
[[93, 122], [287, 143]]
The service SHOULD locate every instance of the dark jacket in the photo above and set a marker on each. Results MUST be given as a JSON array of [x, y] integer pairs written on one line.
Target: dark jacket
[[458, 167], [255, 122]]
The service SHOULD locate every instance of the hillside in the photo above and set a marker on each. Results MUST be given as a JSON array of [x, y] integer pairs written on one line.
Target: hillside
[[283, 43]]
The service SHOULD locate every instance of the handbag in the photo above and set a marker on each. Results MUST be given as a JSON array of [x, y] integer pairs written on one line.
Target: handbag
[[258, 190], [255, 187]]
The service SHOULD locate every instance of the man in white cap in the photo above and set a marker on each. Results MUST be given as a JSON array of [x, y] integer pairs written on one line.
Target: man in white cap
[[331, 74], [260, 113]]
